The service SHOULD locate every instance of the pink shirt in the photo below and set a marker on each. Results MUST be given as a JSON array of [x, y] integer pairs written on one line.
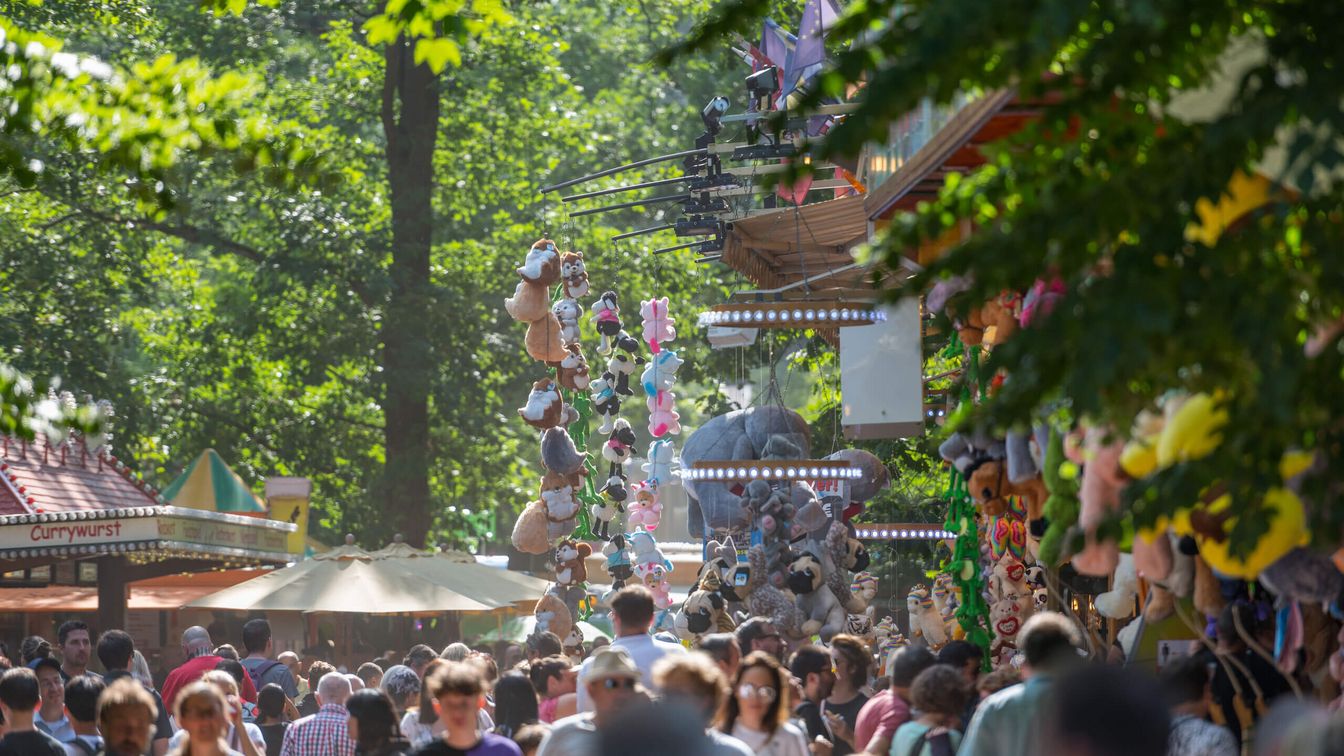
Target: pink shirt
[[546, 709], [882, 714]]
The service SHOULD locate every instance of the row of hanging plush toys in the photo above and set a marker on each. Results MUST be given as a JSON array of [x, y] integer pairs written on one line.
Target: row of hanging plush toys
[[1070, 481]]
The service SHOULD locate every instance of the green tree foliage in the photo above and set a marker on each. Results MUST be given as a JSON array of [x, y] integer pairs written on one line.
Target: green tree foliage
[[1146, 113], [254, 318]]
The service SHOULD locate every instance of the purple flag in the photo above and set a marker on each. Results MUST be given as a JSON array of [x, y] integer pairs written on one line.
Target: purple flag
[[810, 52], [777, 45]]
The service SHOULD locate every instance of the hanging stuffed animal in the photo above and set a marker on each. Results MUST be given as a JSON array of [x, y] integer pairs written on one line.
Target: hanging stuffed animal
[[618, 565], [621, 366], [646, 511], [569, 566], [661, 372], [701, 613], [861, 625], [822, 613], [531, 300], [567, 313], [659, 470], [658, 327], [925, 622], [575, 275], [863, 588], [654, 577], [557, 494], [606, 402], [646, 551], [531, 531], [765, 600], [619, 446], [1103, 479], [553, 616], [663, 417], [613, 495], [572, 371], [545, 407], [560, 455], [607, 319]]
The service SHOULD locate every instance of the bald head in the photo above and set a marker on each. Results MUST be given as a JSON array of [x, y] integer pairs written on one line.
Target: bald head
[[333, 688], [196, 641]]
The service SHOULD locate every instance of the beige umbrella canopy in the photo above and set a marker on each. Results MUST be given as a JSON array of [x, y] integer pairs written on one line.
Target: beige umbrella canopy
[[397, 579]]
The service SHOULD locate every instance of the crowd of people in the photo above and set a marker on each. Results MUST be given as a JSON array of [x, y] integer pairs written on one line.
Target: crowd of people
[[730, 694]]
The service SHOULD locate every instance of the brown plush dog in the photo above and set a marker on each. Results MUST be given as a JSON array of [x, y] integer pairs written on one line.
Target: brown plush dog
[[989, 485]]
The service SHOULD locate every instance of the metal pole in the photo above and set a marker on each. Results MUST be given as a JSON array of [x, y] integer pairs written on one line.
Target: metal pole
[[632, 203], [631, 188], [681, 246], [626, 167], [642, 231]]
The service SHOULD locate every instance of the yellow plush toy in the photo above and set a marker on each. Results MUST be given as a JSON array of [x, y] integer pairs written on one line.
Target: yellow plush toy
[[1287, 531]]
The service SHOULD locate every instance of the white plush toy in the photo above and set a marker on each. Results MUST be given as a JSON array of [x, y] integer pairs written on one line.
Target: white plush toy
[[567, 311], [1118, 602], [660, 469], [661, 372]]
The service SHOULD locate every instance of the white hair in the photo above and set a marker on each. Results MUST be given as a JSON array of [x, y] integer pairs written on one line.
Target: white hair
[[333, 688]]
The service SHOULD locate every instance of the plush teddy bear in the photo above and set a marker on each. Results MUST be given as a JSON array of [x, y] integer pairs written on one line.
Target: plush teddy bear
[[569, 565], [618, 565], [614, 495], [560, 455], [574, 274], [545, 407], [543, 339], [822, 613], [567, 312], [663, 417], [552, 615], [658, 324], [619, 447], [661, 372], [557, 494], [606, 315], [990, 487], [659, 470], [606, 402], [572, 371], [654, 577], [531, 530], [646, 511]]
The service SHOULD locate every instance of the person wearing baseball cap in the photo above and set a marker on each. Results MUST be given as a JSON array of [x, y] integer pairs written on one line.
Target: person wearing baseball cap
[[50, 716], [613, 683]]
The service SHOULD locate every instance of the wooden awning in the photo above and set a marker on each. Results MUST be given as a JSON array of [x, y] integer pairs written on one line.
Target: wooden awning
[[785, 246]]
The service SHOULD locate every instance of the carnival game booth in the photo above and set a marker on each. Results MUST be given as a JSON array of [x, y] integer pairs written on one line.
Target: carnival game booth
[[71, 516]]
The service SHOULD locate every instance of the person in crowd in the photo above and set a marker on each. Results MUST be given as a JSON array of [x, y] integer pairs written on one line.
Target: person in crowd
[[126, 717], [19, 698], [81, 708], [371, 674], [812, 668], [356, 682], [456, 652], [967, 657], [419, 657], [886, 711], [757, 713], [51, 717], [203, 713], [198, 651], [759, 634], [515, 705], [116, 651], [485, 664], [600, 641], [271, 720], [1186, 685], [631, 617], [939, 696], [422, 725], [259, 665], [325, 733], [32, 648], [997, 680], [76, 648], [292, 663], [611, 680], [529, 738], [543, 644], [1007, 722], [227, 651], [513, 654], [722, 648], [402, 685], [458, 694], [852, 660], [694, 681], [1231, 643], [555, 682], [373, 724], [308, 705], [140, 669], [236, 671], [1103, 710], [240, 735]]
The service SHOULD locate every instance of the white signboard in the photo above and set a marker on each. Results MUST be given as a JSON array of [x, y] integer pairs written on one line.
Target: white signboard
[[881, 376]]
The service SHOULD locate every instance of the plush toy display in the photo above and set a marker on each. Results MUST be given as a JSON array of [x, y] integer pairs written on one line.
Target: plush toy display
[[606, 402], [531, 531], [545, 407], [553, 615], [660, 470], [574, 274], [618, 565], [619, 447], [861, 626], [990, 486], [763, 599], [572, 371], [646, 551], [863, 589], [821, 612], [567, 312], [559, 455], [654, 577], [663, 418], [543, 339], [606, 314], [701, 613], [646, 511], [1118, 602], [658, 327], [925, 621], [569, 565], [621, 365], [614, 495], [530, 301], [1100, 495], [661, 372]]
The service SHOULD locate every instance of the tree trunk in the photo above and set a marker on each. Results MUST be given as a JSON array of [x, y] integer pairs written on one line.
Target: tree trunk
[[410, 114]]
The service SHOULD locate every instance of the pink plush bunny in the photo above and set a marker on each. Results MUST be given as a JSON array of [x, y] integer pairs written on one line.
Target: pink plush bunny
[[657, 323], [663, 419]]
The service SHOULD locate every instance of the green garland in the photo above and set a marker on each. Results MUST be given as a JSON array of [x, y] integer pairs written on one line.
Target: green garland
[[964, 566]]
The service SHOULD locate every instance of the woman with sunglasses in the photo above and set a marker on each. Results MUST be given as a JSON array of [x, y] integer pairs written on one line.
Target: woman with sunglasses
[[756, 713]]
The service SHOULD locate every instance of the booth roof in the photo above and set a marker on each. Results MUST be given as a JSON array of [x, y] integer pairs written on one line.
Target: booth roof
[[40, 476]]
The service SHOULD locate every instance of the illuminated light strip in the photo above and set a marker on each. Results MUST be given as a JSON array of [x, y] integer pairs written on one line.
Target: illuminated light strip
[[792, 470], [829, 314], [903, 534]]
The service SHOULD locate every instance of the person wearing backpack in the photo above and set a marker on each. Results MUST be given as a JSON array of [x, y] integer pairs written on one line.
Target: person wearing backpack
[[939, 694], [81, 706], [259, 665]]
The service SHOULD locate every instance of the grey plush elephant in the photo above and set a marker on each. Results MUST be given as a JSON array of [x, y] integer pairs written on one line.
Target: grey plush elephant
[[737, 435]]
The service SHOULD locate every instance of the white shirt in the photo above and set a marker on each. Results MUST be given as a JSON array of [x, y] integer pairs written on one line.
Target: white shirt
[[572, 736], [419, 734], [59, 729], [644, 649], [253, 734], [787, 740]]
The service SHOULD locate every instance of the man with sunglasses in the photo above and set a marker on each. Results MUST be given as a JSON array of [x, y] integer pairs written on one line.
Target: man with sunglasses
[[612, 681], [759, 634], [811, 666]]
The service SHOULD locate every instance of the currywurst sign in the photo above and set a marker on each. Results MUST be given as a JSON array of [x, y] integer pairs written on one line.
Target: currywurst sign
[[172, 525]]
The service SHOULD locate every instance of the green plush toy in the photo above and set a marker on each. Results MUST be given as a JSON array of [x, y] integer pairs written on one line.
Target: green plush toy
[[1062, 506]]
